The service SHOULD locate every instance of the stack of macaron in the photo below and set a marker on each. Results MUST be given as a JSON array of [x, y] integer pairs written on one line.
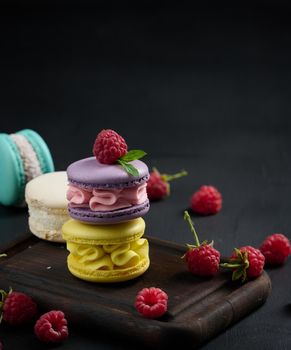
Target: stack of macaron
[[107, 198]]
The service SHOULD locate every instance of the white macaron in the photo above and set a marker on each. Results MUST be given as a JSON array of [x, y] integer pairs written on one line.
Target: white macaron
[[47, 205]]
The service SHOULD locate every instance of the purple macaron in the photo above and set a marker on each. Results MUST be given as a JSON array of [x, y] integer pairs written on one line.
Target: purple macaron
[[106, 194]]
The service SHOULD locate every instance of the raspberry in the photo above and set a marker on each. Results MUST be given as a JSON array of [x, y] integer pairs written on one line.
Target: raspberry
[[157, 188], [151, 302], [276, 248], [246, 262], [51, 327], [1, 346], [109, 147], [202, 259], [206, 201], [18, 308], [158, 185]]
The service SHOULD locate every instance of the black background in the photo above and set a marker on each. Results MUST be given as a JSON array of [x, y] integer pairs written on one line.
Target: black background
[[206, 89]]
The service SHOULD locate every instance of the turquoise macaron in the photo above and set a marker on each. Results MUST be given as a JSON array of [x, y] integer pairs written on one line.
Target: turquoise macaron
[[24, 156]]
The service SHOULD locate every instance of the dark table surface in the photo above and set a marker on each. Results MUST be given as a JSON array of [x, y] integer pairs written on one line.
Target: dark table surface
[[204, 89]]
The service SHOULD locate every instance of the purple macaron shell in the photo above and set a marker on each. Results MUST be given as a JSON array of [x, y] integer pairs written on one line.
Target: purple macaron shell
[[89, 173], [109, 217]]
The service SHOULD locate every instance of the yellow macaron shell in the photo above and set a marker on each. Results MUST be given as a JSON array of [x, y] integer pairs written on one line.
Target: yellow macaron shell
[[93, 264], [78, 232], [106, 253]]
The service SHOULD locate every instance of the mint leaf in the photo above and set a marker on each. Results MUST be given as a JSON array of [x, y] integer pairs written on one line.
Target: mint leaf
[[132, 155], [129, 168]]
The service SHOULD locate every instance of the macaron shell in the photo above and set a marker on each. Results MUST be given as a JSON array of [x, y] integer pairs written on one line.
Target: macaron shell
[[41, 149], [47, 205], [78, 232], [47, 224], [12, 173], [48, 190], [89, 173], [105, 276], [109, 217]]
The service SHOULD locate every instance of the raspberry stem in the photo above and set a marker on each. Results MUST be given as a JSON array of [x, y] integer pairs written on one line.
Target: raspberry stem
[[239, 265], [228, 265], [3, 294], [168, 177], [3, 255], [3, 297], [190, 222]]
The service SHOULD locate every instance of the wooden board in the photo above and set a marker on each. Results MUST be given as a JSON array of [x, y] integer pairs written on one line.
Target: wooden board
[[198, 308]]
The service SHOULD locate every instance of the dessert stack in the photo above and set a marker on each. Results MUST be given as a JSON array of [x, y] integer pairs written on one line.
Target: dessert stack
[[107, 198]]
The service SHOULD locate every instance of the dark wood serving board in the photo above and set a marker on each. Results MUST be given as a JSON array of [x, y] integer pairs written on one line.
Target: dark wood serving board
[[198, 308]]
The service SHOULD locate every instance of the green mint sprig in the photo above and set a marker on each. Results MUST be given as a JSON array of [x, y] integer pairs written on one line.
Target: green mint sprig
[[129, 157]]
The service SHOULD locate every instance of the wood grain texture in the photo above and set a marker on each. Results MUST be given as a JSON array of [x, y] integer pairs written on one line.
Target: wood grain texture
[[198, 308]]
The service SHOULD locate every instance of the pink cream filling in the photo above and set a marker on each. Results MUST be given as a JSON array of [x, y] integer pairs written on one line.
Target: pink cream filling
[[104, 200]]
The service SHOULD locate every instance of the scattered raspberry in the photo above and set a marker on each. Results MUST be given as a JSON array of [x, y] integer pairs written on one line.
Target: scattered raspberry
[[51, 327], [206, 201], [151, 302], [202, 259], [18, 308], [158, 185], [157, 188], [246, 262], [276, 248], [109, 147], [255, 258]]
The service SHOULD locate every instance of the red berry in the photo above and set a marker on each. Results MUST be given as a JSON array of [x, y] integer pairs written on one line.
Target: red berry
[[158, 185], [246, 262], [206, 201], [109, 146], [203, 260], [157, 188], [276, 248], [51, 327], [18, 308], [1, 346], [151, 302]]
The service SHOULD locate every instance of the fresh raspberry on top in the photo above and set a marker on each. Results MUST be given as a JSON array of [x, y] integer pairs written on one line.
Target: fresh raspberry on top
[[246, 263], [276, 248], [151, 302], [52, 327], [109, 147], [17, 308], [206, 201]]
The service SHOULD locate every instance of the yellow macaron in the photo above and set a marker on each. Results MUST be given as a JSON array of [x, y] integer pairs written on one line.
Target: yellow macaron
[[106, 253]]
